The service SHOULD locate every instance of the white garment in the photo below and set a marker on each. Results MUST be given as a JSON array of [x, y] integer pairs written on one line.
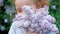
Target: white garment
[[15, 30]]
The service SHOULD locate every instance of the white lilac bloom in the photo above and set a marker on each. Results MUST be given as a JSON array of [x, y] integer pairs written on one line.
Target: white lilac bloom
[[54, 28], [50, 26], [2, 28], [24, 24], [22, 21], [32, 26], [19, 17], [27, 24], [43, 11], [39, 15], [31, 29], [50, 18], [28, 10], [53, 7], [44, 24], [46, 8], [5, 20], [10, 10], [38, 29], [34, 23], [35, 19]]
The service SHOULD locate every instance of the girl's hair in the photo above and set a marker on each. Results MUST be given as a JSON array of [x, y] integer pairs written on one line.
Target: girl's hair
[[39, 3], [42, 3]]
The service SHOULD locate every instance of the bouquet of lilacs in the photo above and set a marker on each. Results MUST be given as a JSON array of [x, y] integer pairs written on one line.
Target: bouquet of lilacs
[[40, 22]]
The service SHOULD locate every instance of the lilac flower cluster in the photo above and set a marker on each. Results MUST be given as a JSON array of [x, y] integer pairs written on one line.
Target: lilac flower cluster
[[40, 22], [1, 2]]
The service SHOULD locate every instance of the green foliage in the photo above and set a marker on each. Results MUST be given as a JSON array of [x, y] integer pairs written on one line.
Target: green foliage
[[56, 12], [4, 15]]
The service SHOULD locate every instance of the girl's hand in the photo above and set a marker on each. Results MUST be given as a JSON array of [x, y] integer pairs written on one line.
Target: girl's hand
[[29, 32]]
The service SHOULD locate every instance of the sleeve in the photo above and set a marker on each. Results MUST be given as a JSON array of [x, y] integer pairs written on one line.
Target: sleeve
[[15, 30], [12, 29]]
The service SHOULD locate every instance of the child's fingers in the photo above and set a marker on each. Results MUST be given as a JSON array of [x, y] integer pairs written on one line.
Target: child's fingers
[[29, 32]]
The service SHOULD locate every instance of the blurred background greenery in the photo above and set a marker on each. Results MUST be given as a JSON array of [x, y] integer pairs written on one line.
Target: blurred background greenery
[[7, 10]]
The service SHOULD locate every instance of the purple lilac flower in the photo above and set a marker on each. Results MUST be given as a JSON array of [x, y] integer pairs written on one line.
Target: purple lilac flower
[[53, 7], [1, 2], [43, 11], [36, 24], [31, 29], [50, 18], [27, 23]]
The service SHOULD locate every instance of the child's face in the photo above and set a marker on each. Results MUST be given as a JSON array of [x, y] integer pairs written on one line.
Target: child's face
[[20, 3]]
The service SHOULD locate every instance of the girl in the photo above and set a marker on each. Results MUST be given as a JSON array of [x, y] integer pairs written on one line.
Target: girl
[[21, 23]]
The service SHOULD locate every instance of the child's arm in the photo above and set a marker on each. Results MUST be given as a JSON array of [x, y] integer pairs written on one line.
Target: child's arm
[[29, 32]]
